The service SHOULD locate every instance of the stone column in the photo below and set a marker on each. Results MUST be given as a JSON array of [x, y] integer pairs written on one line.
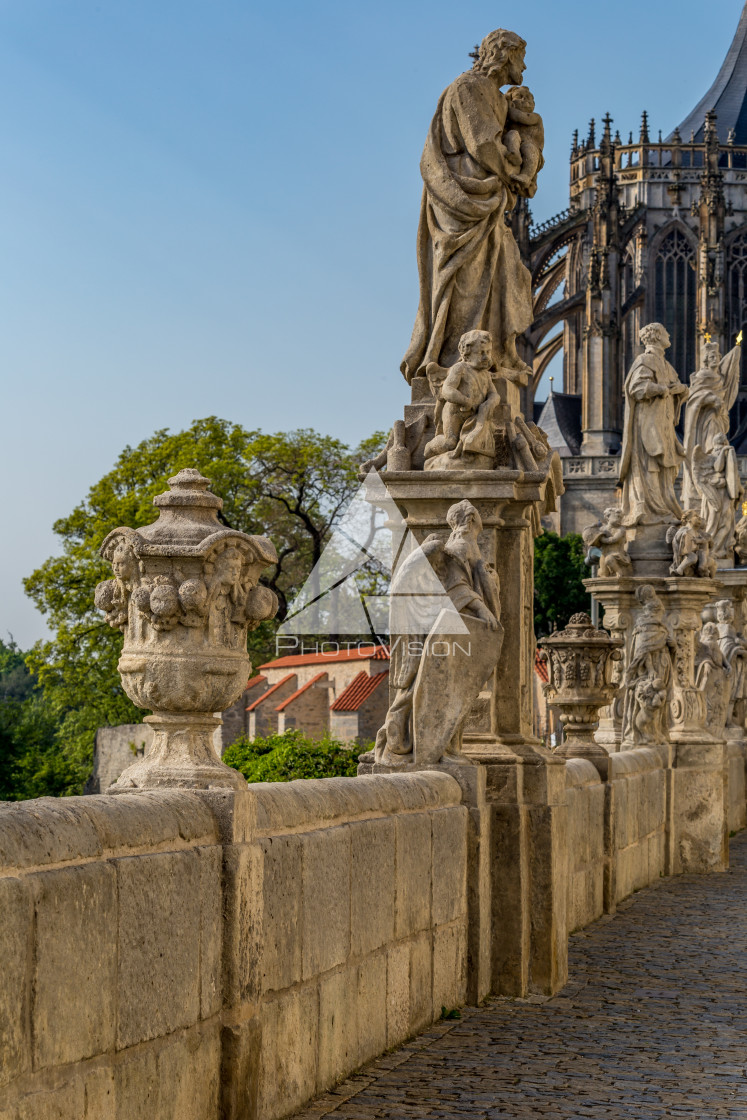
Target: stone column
[[517, 793]]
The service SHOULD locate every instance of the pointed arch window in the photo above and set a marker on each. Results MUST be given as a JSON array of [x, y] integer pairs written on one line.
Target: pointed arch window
[[736, 320], [674, 298]]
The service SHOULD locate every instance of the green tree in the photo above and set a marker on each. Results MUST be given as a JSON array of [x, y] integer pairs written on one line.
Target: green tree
[[282, 758], [30, 764], [291, 487], [558, 571]]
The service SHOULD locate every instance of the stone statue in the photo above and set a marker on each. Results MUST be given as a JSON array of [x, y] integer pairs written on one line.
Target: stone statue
[[527, 137], [691, 547], [715, 475], [734, 648], [465, 401], [648, 676], [432, 691], [185, 592], [713, 390], [712, 677], [471, 273], [651, 452], [741, 538], [609, 536]]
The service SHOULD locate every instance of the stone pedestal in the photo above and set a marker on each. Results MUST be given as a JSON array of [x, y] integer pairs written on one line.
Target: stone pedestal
[[513, 786], [696, 758]]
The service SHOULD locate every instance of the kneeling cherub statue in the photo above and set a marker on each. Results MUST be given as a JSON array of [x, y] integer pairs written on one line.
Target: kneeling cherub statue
[[466, 399]]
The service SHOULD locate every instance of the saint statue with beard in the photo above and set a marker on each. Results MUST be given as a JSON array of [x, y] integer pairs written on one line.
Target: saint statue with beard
[[471, 274]]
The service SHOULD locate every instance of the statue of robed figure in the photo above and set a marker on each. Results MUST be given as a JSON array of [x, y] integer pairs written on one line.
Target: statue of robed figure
[[651, 452], [471, 273]]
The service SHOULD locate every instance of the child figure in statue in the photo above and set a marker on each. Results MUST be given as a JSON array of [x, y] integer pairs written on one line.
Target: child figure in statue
[[465, 401], [526, 139]]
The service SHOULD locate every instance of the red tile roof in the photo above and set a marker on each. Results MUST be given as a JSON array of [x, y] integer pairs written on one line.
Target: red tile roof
[[254, 682], [266, 695], [540, 667], [365, 653], [294, 695], [359, 689]]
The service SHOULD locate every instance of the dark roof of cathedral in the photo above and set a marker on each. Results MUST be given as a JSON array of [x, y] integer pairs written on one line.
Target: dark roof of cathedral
[[727, 95], [561, 420]]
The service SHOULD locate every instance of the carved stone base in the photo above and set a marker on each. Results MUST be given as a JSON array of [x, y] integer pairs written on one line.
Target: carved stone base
[[182, 757]]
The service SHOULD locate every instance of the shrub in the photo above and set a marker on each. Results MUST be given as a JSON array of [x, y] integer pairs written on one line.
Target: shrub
[[282, 758]]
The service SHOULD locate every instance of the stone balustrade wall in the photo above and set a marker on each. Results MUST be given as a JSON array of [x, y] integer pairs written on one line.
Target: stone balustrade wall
[[175, 954], [231, 955]]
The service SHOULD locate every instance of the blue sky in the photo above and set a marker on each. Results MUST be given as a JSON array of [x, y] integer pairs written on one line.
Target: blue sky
[[210, 207]]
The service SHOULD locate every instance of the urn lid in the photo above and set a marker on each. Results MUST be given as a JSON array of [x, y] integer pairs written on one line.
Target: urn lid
[[580, 630], [188, 512]]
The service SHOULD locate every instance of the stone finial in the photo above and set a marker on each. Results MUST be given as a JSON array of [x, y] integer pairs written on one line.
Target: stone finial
[[580, 660], [644, 136], [591, 138], [185, 592]]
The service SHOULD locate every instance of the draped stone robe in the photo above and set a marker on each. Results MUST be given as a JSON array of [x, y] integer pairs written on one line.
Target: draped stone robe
[[471, 273], [651, 453]]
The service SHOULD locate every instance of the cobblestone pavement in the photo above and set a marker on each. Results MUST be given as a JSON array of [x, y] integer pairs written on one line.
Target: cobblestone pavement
[[653, 1023]]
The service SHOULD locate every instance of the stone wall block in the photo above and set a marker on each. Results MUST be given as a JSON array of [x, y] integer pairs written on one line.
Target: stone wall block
[[449, 867], [211, 930], [159, 945], [16, 946], [548, 898], [372, 885], [287, 1075], [188, 1075], [338, 1027], [372, 1000], [136, 1085], [281, 903], [75, 976], [325, 919], [510, 918], [397, 994], [622, 830], [243, 935], [101, 1094], [413, 876], [449, 966], [46, 830], [239, 1075], [64, 1103], [421, 982]]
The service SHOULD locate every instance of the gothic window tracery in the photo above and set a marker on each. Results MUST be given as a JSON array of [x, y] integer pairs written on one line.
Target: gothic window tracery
[[675, 299]]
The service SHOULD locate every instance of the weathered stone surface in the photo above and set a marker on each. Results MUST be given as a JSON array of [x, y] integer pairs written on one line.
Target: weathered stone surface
[[371, 1010], [211, 930], [413, 897], [243, 926], [449, 864], [46, 830], [325, 929], [397, 994], [372, 885], [188, 1075], [136, 1081], [282, 909], [101, 1094], [449, 966], [288, 1061], [337, 1036], [75, 964], [65, 1103], [421, 981], [16, 946], [159, 945]]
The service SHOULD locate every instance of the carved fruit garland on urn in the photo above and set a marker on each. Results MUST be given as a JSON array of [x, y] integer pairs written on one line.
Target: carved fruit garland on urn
[[580, 661], [185, 592]]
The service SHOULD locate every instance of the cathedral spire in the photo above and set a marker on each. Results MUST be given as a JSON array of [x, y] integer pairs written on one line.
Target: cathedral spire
[[644, 137], [591, 141], [727, 96]]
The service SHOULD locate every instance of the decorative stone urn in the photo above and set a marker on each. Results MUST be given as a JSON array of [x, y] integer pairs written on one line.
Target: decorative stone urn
[[185, 592], [580, 662]]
